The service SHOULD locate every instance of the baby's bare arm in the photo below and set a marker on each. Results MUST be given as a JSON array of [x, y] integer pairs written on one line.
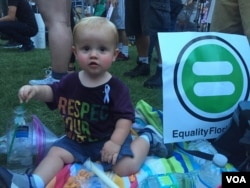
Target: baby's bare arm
[[39, 92], [112, 147]]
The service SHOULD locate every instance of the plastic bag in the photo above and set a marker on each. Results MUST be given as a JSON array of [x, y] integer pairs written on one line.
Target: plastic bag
[[43, 138]]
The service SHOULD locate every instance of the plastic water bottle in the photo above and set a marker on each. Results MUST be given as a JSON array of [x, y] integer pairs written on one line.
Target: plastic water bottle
[[210, 170], [210, 175], [204, 146], [19, 142]]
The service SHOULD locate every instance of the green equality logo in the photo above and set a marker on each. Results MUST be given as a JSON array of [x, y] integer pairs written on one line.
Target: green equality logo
[[210, 78]]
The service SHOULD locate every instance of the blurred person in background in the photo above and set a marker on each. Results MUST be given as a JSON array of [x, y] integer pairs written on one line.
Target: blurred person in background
[[19, 25], [56, 16], [118, 18], [231, 16], [156, 80], [144, 19]]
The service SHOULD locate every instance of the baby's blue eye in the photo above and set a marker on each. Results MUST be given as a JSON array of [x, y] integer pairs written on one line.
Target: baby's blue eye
[[103, 48], [86, 48]]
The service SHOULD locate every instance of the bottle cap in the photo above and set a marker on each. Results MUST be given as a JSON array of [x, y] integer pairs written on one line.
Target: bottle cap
[[220, 160], [19, 109]]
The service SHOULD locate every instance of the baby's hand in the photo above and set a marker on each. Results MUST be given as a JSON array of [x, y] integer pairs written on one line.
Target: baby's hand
[[110, 152], [26, 92]]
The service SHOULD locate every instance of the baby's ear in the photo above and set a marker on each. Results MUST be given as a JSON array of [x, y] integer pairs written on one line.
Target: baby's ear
[[74, 50]]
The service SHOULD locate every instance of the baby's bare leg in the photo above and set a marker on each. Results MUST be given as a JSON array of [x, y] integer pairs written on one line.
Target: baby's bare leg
[[53, 163]]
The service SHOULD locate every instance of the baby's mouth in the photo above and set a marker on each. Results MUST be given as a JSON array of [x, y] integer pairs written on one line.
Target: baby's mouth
[[94, 64]]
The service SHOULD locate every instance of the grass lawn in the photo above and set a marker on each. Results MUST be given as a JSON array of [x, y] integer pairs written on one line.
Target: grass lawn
[[17, 68]]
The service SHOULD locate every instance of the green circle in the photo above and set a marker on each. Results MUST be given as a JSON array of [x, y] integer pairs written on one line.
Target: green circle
[[207, 103]]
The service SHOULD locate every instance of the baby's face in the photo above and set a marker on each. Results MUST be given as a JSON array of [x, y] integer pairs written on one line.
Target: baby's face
[[95, 49]]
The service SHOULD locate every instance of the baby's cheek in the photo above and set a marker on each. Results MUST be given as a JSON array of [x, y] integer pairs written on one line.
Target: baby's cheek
[[81, 58], [107, 59]]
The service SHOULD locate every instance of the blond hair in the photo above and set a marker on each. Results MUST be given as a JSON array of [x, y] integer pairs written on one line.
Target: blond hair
[[95, 22]]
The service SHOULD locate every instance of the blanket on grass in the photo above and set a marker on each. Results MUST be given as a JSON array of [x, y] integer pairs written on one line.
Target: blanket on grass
[[180, 162], [79, 176]]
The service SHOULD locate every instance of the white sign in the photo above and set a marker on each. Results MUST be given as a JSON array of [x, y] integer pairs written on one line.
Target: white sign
[[205, 75]]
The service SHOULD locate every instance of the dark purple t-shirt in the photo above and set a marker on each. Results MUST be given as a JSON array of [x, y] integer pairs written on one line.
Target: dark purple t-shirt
[[90, 114]]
